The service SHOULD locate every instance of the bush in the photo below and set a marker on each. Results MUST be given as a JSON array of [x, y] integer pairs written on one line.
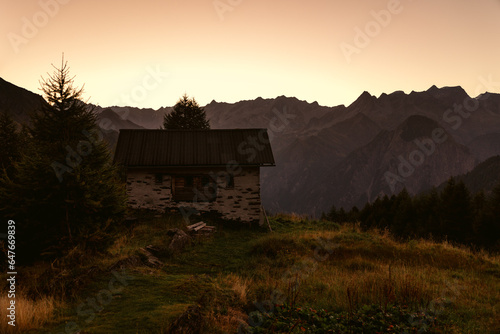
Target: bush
[[368, 319], [273, 246]]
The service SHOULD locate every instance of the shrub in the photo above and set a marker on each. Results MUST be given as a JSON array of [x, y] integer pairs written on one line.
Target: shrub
[[368, 319]]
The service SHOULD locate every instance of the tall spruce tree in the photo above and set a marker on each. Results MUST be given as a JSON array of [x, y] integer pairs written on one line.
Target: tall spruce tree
[[428, 214], [10, 140], [332, 214], [490, 229], [456, 212], [65, 185], [402, 207], [186, 114]]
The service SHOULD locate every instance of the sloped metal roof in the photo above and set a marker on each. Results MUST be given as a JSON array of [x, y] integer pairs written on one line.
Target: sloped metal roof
[[162, 148]]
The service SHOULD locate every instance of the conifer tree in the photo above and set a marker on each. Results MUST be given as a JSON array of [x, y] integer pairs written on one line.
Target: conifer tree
[[65, 185], [186, 114], [10, 142], [332, 214], [479, 204], [495, 203], [342, 215], [354, 214], [428, 213], [456, 211], [403, 223], [490, 228]]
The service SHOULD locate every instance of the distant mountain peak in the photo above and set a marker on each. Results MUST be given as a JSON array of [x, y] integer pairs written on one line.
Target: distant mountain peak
[[286, 98], [433, 89], [365, 95], [364, 100], [18, 102], [5, 85], [448, 92]]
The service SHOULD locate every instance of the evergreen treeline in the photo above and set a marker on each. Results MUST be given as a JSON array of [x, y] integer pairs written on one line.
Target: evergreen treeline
[[57, 179], [453, 214], [186, 114]]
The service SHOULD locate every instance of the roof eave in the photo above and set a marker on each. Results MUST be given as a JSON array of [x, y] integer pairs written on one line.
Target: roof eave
[[198, 166]]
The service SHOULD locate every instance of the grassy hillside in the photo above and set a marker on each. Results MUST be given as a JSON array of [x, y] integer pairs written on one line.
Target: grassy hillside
[[323, 276]]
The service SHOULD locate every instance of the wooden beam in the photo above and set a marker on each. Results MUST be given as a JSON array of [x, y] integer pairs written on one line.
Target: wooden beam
[[199, 227], [265, 215], [191, 227]]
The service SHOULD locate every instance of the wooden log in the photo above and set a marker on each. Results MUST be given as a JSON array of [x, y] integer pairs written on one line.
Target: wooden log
[[191, 227], [207, 230], [152, 260], [199, 227], [265, 215]]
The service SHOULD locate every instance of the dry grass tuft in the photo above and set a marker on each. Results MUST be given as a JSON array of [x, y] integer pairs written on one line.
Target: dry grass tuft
[[119, 245], [30, 314], [239, 286], [227, 320], [292, 217]]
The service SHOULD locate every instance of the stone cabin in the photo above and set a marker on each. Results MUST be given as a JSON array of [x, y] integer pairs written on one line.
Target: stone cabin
[[206, 170]]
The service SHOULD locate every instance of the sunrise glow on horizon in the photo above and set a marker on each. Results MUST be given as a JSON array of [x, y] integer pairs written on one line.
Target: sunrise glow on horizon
[[149, 53]]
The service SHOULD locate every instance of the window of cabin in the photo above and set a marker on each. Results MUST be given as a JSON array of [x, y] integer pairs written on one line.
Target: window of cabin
[[188, 181], [229, 181], [158, 178], [194, 188]]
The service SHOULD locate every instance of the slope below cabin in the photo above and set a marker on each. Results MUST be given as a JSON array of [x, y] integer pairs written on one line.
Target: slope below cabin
[[208, 170]]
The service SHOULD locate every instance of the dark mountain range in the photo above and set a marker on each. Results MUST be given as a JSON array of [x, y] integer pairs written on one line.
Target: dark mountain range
[[111, 122], [464, 117], [18, 102], [484, 177], [146, 118], [404, 157], [484, 146], [342, 155]]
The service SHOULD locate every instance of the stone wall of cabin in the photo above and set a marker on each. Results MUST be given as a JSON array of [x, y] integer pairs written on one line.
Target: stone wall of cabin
[[242, 202]]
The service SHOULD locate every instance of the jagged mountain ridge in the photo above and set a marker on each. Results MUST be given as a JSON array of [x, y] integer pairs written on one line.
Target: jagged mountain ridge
[[392, 161], [484, 177], [18, 102], [306, 157], [338, 155]]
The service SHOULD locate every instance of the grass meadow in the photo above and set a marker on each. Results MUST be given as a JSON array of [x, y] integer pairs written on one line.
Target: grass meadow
[[242, 280]]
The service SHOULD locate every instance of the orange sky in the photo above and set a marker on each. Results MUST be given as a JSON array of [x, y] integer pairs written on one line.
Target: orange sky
[[148, 53]]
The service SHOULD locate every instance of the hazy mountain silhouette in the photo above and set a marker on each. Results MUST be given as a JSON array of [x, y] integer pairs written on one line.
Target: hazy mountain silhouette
[[337, 155], [18, 102], [484, 177], [391, 158]]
